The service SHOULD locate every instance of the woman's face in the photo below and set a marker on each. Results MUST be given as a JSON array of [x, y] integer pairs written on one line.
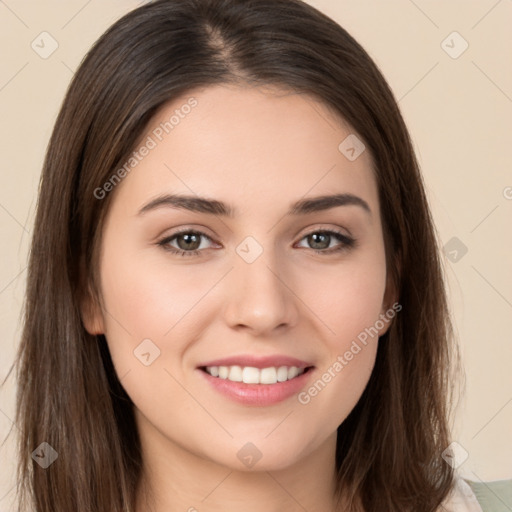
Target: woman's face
[[275, 284]]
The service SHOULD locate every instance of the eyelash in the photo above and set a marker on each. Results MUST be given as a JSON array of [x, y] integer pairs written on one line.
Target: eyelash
[[346, 242]]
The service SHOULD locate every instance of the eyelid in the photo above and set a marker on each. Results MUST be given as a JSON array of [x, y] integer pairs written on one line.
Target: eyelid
[[165, 239], [346, 242], [315, 227], [201, 230]]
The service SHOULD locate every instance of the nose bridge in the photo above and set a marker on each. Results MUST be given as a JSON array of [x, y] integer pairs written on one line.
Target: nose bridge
[[258, 297]]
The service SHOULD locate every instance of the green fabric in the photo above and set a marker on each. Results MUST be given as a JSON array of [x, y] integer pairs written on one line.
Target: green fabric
[[493, 496]]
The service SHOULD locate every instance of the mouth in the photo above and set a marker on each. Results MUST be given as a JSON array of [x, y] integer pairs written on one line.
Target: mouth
[[257, 387], [252, 375]]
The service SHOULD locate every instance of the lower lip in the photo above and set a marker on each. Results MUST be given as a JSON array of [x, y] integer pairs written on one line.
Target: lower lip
[[258, 394]]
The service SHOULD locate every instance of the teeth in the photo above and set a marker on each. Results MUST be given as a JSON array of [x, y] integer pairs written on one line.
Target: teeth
[[251, 375], [268, 375], [282, 374], [235, 373], [293, 372]]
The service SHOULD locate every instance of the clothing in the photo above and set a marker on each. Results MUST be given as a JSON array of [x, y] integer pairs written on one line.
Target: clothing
[[470, 496], [495, 496]]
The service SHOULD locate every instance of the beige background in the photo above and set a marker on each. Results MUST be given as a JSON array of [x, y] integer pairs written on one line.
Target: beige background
[[459, 112]]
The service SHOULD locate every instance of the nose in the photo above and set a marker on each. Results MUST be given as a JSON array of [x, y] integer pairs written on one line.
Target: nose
[[259, 297]]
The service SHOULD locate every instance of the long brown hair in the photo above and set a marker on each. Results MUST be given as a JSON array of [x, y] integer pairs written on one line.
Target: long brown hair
[[388, 454]]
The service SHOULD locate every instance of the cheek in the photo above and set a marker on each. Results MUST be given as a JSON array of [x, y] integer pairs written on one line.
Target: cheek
[[148, 329], [147, 299], [145, 305], [348, 301], [348, 298]]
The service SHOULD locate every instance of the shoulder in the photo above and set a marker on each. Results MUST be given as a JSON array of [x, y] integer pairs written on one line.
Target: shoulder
[[461, 498], [470, 496], [493, 496]]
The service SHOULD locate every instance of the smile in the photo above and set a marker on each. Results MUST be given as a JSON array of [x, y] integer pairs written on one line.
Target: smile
[[260, 387], [252, 375]]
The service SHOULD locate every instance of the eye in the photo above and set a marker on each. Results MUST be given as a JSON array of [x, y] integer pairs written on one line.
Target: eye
[[189, 242], [320, 241]]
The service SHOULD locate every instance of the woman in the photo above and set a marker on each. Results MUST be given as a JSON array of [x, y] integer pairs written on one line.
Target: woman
[[234, 296]]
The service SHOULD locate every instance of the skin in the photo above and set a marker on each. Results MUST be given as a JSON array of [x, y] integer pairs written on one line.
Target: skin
[[258, 150]]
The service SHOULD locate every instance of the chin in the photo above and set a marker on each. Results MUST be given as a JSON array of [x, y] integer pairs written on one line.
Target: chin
[[256, 456]]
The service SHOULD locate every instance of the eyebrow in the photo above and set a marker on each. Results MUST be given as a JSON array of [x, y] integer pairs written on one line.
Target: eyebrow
[[214, 207]]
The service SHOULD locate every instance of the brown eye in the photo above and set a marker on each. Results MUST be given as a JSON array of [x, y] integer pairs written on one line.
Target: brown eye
[[188, 242], [320, 241]]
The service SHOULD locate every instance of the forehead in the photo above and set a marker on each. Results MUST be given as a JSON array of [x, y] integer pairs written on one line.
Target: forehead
[[240, 143]]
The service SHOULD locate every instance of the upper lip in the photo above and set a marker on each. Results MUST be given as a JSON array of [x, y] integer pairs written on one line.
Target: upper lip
[[258, 361]]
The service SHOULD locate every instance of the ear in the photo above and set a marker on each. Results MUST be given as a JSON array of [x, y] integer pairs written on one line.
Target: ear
[[92, 315]]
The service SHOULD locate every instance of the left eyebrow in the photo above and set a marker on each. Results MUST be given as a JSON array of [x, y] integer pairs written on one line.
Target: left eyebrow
[[214, 207], [320, 203]]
